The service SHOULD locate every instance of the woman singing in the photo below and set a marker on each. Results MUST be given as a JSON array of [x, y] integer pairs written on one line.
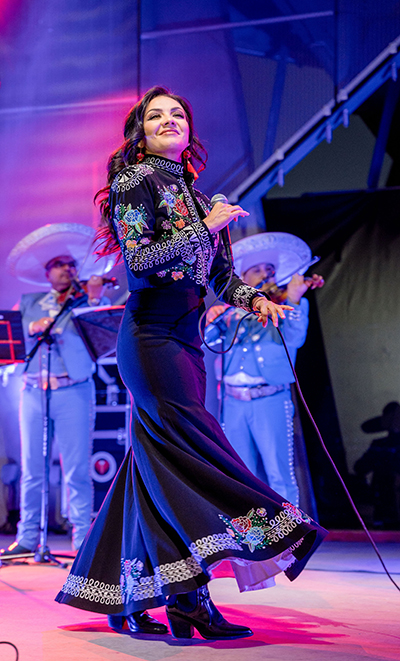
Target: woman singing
[[182, 501]]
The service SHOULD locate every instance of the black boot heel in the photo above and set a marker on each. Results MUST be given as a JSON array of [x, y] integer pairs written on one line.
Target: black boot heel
[[179, 627], [116, 622], [195, 609]]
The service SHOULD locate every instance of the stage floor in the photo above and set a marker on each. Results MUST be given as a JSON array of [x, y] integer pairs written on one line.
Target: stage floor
[[343, 608]]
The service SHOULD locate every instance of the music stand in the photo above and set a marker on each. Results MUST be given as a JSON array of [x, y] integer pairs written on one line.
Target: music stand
[[12, 343], [98, 328], [12, 350]]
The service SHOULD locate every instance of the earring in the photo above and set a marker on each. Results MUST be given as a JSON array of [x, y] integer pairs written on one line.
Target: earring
[[186, 156], [140, 153], [190, 168]]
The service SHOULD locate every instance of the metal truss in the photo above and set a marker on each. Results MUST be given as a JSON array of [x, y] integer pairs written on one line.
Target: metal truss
[[321, 126]]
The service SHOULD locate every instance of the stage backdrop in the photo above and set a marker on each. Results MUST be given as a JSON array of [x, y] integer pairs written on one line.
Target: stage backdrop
[[357, 235]]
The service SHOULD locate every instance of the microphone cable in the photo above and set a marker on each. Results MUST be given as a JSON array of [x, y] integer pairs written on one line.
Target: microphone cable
[[335, 468], [225, 236], [6, 642], [309, 414]]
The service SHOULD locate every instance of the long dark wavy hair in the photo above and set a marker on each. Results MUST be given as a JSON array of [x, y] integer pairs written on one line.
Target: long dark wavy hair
[[130, 153]]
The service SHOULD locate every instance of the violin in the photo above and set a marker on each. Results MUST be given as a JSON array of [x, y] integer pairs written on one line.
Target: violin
[[80, 287], [275, 294], [106, 282], [279, 294]]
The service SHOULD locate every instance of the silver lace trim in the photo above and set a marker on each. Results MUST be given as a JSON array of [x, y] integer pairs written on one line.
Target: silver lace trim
[[164, 164], [282, 525], [207, 248], [134, 174], [131, 177], [134, 587], [91, 590], [190, 243], [242, 297], [204, 252], [211, 544]]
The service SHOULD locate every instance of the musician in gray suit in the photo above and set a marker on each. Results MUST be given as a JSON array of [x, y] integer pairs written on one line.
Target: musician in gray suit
[[72, 393]]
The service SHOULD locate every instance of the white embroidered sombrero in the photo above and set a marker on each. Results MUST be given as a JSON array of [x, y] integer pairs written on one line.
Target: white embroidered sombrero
[[28, 258], [288, 253]]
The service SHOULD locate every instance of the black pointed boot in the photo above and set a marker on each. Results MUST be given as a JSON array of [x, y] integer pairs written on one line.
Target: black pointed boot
[[196, 610]]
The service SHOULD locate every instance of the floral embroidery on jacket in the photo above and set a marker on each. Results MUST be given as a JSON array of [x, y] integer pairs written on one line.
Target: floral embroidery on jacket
[[174, 201], [130, 222], [176, 218]]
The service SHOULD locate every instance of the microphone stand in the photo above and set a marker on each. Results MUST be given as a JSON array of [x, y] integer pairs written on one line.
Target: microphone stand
[[43, 553]]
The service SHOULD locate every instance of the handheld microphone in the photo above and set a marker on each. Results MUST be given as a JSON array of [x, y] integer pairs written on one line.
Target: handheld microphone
[[225, 233]]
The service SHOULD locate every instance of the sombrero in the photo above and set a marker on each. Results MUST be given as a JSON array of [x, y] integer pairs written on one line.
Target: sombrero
[[388, 421], [286, 252], [28, 258]]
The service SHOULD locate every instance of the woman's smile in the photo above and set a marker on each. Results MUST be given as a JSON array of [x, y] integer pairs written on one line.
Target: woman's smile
[[166, 128]]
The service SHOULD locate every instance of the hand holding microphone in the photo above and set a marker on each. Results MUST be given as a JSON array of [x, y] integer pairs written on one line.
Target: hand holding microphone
[[221, 214]]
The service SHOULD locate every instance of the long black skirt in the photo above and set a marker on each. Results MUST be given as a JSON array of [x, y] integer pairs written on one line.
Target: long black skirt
[[182, 501]]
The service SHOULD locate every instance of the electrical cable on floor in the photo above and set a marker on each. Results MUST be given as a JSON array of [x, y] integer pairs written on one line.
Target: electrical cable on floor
[[346, 571], [5, 642], [325, 449]]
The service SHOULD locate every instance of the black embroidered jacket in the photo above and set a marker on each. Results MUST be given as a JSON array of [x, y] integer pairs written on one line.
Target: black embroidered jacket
[[158, 215]]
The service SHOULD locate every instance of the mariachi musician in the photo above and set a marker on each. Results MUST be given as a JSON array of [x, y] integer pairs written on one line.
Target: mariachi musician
[[54, 254], [257, 408]]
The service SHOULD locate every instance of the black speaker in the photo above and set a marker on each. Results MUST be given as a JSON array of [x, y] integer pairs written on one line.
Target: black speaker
[[109, 447]]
